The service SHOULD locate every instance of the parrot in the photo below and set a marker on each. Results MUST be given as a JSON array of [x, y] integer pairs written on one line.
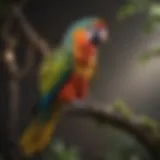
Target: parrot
[[63, 78]]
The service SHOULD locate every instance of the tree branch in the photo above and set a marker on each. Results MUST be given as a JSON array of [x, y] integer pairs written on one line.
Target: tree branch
[[106, 117], [31, 35], [14, 89], [16, 75], [16, 72]]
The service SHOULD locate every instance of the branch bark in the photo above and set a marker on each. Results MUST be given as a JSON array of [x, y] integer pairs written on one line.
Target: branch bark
[[30, 33], [102, 116], [16, 75], [13, 87]]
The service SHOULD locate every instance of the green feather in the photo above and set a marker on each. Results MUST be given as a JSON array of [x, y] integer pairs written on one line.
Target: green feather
[[52, 68]]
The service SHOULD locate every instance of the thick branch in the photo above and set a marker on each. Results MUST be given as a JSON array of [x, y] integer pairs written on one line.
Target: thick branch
[[14, 108], [13, 87], [11, 151], [9, 22], [9, 55], [106, 117], [15, 76], [15, 71]]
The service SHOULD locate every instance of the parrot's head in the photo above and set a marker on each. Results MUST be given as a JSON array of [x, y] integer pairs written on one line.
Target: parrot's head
[[83, 38]]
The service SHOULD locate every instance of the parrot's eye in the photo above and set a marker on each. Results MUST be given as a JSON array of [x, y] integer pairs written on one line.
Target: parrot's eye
[[96, 36], [93, 36]]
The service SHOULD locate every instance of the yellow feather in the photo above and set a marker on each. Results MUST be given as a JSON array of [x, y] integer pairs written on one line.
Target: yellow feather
[[51, 69], [86, 72], [38, 135]]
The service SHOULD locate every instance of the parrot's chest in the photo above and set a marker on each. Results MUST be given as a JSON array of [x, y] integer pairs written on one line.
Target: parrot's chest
[[77, 85], [86, 72]]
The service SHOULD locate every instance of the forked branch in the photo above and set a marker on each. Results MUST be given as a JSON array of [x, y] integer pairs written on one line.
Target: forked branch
[[16, 74], [30, 33]]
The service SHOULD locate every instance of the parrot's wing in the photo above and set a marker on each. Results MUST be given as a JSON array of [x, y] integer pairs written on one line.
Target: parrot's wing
[[54, 71]]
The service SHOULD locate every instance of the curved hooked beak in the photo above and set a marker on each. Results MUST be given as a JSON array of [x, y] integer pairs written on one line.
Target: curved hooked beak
[[103, 30], [100, 35], [104, 34]]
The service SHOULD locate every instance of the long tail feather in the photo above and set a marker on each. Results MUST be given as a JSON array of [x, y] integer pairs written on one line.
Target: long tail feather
[[37, 135]]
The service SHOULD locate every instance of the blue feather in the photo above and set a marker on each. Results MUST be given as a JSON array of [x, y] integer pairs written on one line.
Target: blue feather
[[51, 96], [82, 23]]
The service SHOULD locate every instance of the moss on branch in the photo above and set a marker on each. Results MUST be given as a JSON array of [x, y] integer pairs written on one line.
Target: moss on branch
[[135, 125]]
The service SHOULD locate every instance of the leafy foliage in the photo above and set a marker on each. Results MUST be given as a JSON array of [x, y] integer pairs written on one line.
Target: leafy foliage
[[153, 19], [152, 9], [148, 124], [120, 107], [155, 52], [57, 151], [133, 7], [123, 146]]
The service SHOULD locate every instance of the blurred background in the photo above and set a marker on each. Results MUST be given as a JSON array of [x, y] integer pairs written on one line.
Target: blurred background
[[118, 76]]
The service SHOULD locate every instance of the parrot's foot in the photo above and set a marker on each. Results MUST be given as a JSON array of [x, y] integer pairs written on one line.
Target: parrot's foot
[[78, 103]]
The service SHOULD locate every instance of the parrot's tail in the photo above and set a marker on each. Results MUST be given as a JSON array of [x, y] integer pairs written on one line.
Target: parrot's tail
[[37, 135]]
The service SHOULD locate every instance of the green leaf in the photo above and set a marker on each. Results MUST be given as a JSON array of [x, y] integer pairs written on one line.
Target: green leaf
[[132, 7], [155, 9], [120, 107], [155, 52], [58, 147], [126, 11], [143, 59], [148, 124], [57, 151]]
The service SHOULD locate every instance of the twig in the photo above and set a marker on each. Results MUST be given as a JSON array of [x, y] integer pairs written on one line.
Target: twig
[[9, 56], [31, 35], [15, 71], [8, 24], [102, 116], [16, 76]]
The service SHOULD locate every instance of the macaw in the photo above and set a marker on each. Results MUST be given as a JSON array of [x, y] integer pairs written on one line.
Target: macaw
[[64, 78]]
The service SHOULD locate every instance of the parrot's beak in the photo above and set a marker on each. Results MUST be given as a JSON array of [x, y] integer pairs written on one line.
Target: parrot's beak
[[104, 35], [100, 36], [103, 32]]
